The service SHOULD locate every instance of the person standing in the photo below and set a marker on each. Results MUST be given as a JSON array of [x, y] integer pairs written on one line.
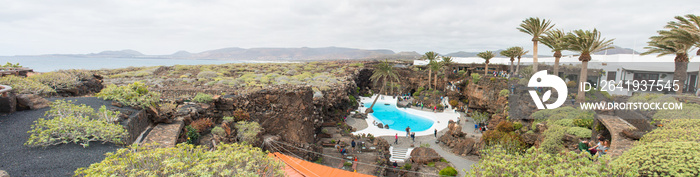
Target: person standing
[[353, 145], [413, 136], [476, 127], [435, 133], [396, 139], [408, 131]]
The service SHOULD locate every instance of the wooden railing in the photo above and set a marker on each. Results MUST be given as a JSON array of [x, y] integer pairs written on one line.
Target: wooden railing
[[4, 89], [14, 71]]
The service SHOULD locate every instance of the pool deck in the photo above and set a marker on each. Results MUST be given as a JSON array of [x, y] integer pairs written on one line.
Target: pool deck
[[440, 119]]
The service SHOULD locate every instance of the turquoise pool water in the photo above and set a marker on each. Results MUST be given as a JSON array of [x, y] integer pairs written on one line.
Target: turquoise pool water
[[398, 119]]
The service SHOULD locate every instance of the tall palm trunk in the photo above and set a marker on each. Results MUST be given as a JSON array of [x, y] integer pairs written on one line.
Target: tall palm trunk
[[557, 56], [517, 69], [486, 71], [681, 71], [392, 87], [511, 65], [447, 72], [369, 110], [430, 75], [581, 96], [435, 80], [534, 56]]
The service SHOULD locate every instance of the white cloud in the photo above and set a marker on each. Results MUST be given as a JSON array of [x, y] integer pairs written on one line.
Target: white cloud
[[166, 26]]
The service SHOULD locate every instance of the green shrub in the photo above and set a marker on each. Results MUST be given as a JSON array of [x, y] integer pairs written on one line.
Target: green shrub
[[192, 135], [248, 131], [228, 119], [454, 103], [406, 166], [107, 115], [431, 164], [585, 123], [571, 84], [480, 117], [135, 94], [579, 132], [563, 113], [70, 123], [552, 142], [493, 79], [218, 131], [203, 98], [523, 81], [496, 161], [674, 130], [22, 85], [186, 160], [504, 93], [517, 125], [353, 101], [689, 111], [505, 126], [207, 75], [56, 80], [652, 97], [418, 92], [10, 65], [448, 171], [663, 159], [564, 122], [476, 77]]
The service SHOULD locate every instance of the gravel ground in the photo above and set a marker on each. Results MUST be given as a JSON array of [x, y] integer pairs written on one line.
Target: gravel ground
[[59, 160]]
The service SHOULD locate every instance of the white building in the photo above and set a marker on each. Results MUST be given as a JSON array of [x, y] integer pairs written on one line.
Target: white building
[[623, 68]]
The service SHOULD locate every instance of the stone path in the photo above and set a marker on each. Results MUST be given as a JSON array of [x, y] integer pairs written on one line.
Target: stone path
[[165, 135], [619, 144]]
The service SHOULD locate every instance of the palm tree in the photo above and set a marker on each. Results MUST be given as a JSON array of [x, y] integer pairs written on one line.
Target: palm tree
[[435, 66], [510, 52], [486, 56], [535, 27], [447, 64], [383, 71], [518, 51], [677, 42], [585, 42], [691, 24], [431, 56], [553, 40]]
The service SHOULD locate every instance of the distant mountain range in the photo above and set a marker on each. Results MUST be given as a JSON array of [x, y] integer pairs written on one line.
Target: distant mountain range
[[262, 54], [293, 54]]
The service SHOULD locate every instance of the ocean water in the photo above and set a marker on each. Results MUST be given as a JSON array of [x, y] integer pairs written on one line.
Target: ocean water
[[397, 119], [52, 63]]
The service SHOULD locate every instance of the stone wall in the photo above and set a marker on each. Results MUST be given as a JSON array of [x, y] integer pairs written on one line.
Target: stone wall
[[135, 124], [8, 103], [635, 118]]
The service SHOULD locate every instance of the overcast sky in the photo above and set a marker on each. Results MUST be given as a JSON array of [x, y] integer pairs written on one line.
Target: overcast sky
[[29, 27]]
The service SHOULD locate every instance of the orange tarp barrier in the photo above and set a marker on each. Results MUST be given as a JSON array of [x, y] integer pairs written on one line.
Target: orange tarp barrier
[[297, 167]]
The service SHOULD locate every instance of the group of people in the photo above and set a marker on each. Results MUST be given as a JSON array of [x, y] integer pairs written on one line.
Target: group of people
[[480, 128], [411, 134], [501, 74], [601, 148], [344, 151]]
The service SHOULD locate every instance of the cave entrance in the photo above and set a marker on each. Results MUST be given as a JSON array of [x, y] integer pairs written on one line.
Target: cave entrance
[[412, 91]]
